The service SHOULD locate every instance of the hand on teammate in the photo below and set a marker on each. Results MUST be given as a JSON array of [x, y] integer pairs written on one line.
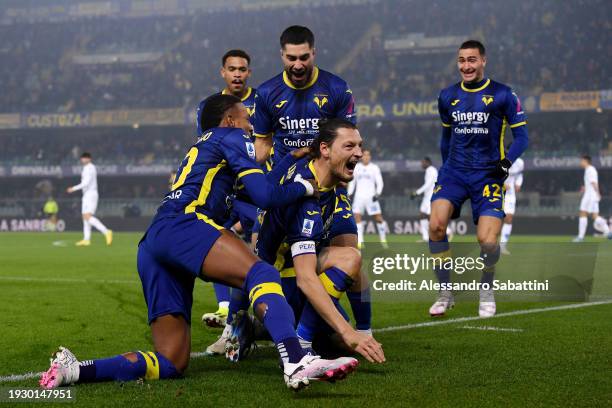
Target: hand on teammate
[[301, 152], [315, 186], [413, 195], [69, 190], [365, 345]]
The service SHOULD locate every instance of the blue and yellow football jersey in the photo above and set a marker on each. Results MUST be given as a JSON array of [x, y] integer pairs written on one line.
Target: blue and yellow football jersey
[[292, 114], [478, 119], [306, 220], [248, 100], [207, 175]]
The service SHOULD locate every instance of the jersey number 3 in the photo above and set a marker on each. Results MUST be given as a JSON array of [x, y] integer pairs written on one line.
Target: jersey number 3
[[191, 157]]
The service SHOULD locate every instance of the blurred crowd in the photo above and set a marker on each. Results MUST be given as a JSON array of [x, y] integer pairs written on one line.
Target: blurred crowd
[[534, 46], [551, 134]]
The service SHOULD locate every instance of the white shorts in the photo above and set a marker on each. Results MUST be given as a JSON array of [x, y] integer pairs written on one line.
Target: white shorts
[[89, 203], [361, 205], [425, 207], [510, 204], [589, 204]]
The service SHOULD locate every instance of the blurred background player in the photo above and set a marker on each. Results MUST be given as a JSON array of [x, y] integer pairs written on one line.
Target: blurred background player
[[512, 185], [431, 175], [367, 186], [50, 210], [89, 186], [474, 115], [589, 204], [235, 71]]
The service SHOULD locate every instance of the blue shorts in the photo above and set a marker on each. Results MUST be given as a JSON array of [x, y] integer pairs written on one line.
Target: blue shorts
[[344, 221], [170, 257], [486, 193]]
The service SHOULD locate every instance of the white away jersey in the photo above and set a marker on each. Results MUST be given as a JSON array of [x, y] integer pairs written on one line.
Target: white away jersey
[[515, 176], [367, 181], [590, 177], [431, 175], [89, 179]]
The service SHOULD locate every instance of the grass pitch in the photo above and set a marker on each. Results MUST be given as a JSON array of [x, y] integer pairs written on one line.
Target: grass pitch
[[90, 300]]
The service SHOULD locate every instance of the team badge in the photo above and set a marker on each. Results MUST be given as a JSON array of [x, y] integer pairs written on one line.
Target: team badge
[[251, 111], [320, 102], [487, 99]]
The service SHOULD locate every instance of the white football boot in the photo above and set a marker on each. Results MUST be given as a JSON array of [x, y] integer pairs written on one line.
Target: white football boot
[[64, 370], [314, 368], [218, 347], [444, 302], [486, 306]]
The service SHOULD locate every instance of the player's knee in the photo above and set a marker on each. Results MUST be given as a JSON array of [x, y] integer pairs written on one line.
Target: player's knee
[[437, 228], [349, 260], [131, 357]]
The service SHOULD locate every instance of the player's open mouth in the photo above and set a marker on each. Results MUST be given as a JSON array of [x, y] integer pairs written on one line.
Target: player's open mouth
[[350, 166], [298, 75]]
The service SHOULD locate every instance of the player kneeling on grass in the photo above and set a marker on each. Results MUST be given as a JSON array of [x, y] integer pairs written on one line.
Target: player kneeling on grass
[[185, 241], [292, 237]]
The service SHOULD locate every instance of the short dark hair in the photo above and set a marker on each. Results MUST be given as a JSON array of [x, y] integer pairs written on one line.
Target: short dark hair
[[213, 108], [297, 35], [427, 159], [235, 53], [328, 130], [86, 155], [474, 44], [587, 158]]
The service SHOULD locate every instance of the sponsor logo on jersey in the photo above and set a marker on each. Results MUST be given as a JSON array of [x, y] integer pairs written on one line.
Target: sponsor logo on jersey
[[456, 101], [307, 227], [250, 149], [438, 188], [297, 142], [281, 103], [301, 124], [470, 117]]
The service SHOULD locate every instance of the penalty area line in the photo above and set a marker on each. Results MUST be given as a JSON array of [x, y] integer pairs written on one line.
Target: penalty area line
[[31, 375], [506, 314]]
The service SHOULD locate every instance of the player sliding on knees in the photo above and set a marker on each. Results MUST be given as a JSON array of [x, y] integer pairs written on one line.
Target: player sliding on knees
[[294, 238], [474, 114], [185, 241]]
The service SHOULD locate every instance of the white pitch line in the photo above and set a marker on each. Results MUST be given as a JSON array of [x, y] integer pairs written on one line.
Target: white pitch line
[[492, 328], [20, 377], [506, 314], [65, 280], [30, 375]]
